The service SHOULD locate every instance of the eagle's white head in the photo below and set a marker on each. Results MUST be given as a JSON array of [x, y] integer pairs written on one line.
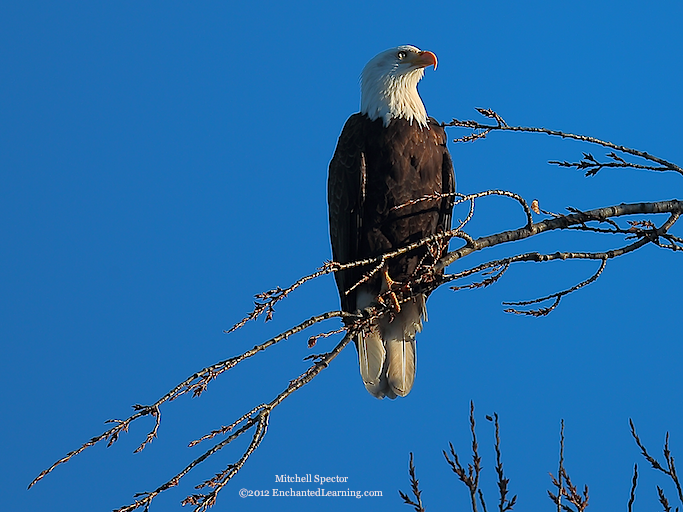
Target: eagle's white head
[[388, 87]]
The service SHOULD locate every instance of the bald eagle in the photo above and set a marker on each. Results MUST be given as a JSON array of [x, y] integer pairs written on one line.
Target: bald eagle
[[387, 155]]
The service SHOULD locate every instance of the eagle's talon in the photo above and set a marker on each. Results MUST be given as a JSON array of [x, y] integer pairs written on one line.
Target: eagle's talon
[[388, 280], [395, 303], [389, 283]]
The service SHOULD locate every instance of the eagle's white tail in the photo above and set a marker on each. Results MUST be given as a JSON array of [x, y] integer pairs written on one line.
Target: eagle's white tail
[[387, 352]]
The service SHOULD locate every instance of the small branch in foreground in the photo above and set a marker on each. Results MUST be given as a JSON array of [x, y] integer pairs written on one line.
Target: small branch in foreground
[[557, 482], [670, 470], [663, 500], [504, 505], [634, 483], [469, 477], [414, 487], [573, 500], [557, 296], [265, 302], [565, 487], [153, 434]]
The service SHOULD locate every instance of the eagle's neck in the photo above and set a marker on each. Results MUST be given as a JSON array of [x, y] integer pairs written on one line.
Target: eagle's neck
[[393, 97]]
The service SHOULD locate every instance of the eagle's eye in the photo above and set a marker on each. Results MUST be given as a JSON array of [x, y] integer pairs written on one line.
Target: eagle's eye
[[401, 55]]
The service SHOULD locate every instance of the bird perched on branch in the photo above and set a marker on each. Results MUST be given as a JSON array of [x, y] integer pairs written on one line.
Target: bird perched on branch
[[389, 155]]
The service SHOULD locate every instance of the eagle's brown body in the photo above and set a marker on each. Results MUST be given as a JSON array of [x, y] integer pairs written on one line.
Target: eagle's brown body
[[374, 169]]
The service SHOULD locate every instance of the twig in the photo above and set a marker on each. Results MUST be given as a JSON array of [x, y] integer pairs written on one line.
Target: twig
[[670, 470], [471, 197], [557, 296], [469, 477], [227, 428], [380, 261], [576, 499], [266, 301], [494, 274], [481, 500], [565, 487], [557, 482], [650, 236], [634, 483], [414, 487], [314, 339], [593, 166], [663, 500], [157, 417], [504, 504]]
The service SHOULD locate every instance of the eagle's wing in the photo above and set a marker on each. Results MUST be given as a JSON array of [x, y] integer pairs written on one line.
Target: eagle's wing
[[345, 197], [447, 184]]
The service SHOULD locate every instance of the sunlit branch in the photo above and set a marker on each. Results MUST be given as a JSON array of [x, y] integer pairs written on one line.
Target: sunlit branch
[[502, 126], [599, 214], [197, 383], [557, 296], [256, 417], [592, 166], [266, 301]]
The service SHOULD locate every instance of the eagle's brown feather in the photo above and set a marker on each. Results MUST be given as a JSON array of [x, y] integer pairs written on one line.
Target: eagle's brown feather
[[374, 169]]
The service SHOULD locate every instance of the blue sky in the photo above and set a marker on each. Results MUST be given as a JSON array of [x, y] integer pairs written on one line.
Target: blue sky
[[163, 162]]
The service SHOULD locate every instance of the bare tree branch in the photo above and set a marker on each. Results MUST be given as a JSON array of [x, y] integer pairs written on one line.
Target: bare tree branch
[[196, 383], [414, 487], [670, 470], [258, 417], [557, 296], [634, 483], [593, 166], [557, 482], [565, 487], [469, 477], [502, 126], [562, 482], [663, 500], [504, 505], [673, 207]]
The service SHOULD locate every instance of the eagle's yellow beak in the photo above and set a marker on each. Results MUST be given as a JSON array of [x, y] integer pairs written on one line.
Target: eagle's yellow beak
[[424, 59]]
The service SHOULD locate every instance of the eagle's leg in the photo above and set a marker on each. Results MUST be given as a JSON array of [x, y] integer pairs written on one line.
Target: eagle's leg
[[387, 285]]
